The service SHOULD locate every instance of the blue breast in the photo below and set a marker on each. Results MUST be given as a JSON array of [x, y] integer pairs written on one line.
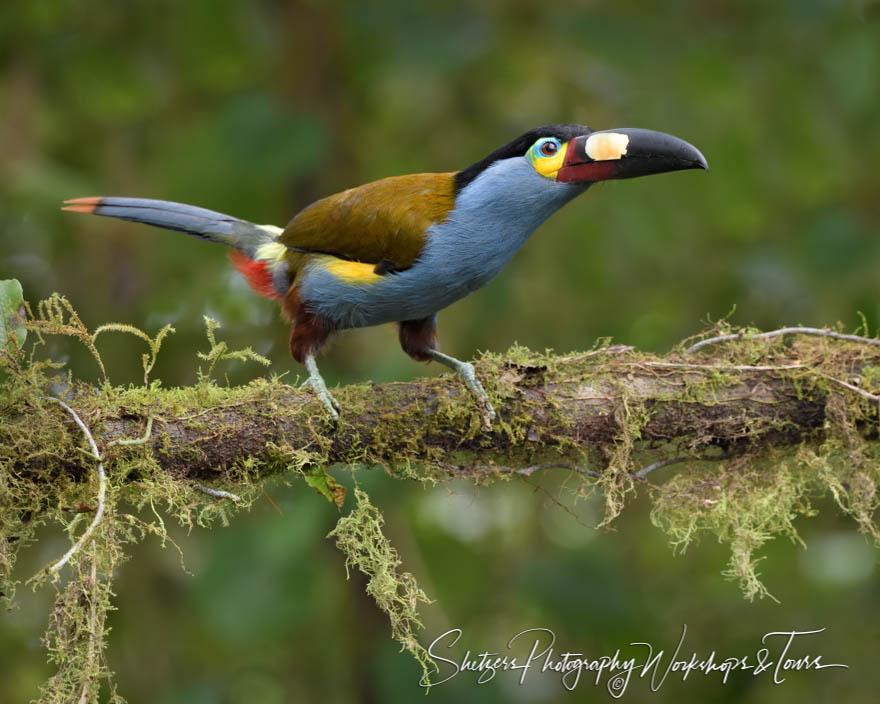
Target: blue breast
[[493, 217]]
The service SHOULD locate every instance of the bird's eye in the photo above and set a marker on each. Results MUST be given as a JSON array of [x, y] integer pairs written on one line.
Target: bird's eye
[[549, 148], [546, 155]]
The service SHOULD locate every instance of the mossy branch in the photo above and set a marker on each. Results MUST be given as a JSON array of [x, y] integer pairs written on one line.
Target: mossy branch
[[590, 404], [731, 423]]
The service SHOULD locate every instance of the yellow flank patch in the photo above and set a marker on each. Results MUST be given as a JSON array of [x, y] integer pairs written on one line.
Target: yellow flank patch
[[549, 165], [606, 146], [351, 272], [270, 252]]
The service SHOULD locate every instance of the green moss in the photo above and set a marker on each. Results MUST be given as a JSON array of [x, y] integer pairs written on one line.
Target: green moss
[[359, 535], [744, 503]]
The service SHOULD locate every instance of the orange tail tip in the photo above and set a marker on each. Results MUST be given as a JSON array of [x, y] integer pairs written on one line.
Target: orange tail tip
[[82, 205]]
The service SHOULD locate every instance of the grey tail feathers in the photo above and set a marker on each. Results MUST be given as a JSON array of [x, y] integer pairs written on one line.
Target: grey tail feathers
[[197, 222]]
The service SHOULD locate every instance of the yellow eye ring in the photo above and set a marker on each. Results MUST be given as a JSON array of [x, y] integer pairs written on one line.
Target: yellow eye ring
[[547, 156]]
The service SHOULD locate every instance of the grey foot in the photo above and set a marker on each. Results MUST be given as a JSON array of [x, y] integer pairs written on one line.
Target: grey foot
[[466, 371], [316, 382]]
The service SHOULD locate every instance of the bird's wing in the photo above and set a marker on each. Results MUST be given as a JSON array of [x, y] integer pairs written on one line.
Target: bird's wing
[[381, 223]]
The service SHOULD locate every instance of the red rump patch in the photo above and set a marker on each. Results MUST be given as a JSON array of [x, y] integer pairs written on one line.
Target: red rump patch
[[256, 273]]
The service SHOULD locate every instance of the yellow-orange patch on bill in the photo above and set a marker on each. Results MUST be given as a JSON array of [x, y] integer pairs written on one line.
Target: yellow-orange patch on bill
[[606, 146]]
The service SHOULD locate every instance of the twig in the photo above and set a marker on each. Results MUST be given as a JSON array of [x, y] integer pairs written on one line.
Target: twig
[[824, 332], [644, 471], [871, 397], [136, 441], [218, 493], [529, 471], [102, 492], [614, 349], [718, 367], [272, 503]]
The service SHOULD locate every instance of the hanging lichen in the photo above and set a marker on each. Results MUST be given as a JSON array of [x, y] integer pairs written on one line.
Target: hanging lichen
[[359, 535]]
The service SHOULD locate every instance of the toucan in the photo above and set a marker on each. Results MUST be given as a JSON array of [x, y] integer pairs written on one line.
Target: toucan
[[400, 249]]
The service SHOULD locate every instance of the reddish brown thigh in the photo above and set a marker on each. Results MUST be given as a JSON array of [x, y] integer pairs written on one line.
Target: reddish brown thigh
[[418, 337], [308, 331]]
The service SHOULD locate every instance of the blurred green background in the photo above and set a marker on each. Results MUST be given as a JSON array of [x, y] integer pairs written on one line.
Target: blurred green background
[[257, 109]]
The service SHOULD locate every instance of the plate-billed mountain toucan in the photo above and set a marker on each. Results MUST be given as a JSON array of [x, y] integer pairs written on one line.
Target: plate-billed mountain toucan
[[402, 248]]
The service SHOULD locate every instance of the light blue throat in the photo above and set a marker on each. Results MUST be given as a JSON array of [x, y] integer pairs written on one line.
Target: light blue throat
[[493, 217]]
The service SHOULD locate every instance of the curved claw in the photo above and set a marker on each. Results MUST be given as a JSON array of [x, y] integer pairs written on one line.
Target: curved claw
[[320, 390], [468, 375], [466, 371]]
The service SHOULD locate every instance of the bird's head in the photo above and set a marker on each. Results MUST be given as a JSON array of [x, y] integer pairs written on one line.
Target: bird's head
[[575, 154]]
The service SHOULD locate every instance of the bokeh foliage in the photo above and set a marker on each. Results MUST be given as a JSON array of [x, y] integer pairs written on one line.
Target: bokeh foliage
[[259, 108]]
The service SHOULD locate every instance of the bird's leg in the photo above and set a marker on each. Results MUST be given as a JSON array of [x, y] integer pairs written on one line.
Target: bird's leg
[[418, 338], [466, 371], [307, 334], [316, 382]]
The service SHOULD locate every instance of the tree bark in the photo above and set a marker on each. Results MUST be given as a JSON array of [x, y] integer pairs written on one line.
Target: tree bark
[[545, 405]]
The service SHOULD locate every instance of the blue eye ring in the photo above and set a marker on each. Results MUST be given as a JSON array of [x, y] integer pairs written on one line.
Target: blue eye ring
[[547, 147]]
